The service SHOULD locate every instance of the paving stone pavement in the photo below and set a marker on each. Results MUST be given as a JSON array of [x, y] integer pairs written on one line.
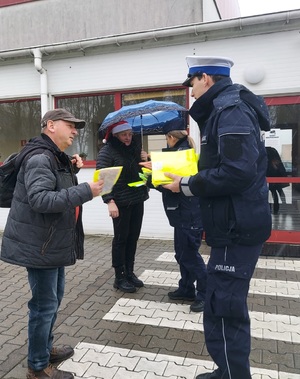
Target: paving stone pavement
[[145, 335]]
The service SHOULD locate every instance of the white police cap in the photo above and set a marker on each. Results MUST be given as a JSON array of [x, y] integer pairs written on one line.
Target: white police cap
[[208, 65]]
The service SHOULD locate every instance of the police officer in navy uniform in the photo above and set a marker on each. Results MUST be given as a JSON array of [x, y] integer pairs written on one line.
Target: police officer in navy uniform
[[231, 185]]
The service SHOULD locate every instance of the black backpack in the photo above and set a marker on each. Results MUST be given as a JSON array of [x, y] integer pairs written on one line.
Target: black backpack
[[9, 172]]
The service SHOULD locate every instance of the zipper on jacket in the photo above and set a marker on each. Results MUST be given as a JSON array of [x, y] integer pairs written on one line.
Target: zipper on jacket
[[45, 245]]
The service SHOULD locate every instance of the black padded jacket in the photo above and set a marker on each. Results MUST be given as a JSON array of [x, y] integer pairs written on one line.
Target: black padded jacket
[[116, 153], [42, 230]]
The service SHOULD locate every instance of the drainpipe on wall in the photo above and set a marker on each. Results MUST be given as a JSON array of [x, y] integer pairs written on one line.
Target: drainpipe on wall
[[44, 82]]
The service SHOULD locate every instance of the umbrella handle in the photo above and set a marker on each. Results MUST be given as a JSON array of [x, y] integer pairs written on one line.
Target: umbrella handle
[[145, 159], [142, 132]]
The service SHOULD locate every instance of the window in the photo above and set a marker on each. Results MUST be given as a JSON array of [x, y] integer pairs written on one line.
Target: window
[[175, 95], [19, 121], [92, 109], [155, 142], [284, 136]]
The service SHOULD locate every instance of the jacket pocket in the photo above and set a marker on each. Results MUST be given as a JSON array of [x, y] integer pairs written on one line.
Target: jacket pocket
[[219, 220], [230, 304]]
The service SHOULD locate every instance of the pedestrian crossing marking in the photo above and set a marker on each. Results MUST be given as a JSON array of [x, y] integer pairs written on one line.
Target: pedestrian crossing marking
[[264, 263], [269, 287], [92, 361], [171, 315]]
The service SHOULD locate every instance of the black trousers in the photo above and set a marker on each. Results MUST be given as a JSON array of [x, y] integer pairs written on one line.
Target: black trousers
[[127, 228], [276, 189]]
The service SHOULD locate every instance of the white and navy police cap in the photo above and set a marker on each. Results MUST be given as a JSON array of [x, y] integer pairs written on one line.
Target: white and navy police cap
[[209, 65]]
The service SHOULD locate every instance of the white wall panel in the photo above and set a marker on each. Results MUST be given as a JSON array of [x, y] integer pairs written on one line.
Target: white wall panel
[[166, 65], [133, 69], [281, 69], [162, 66], [97, 221], [19, 80]]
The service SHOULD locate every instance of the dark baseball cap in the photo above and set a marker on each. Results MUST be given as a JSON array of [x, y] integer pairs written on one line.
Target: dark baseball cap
[[175, 124], [62, 114]]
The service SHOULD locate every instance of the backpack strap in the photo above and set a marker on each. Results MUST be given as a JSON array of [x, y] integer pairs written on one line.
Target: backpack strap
[[24, 156]]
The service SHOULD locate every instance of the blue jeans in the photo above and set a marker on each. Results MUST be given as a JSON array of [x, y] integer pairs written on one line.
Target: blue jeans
[[47, 288]]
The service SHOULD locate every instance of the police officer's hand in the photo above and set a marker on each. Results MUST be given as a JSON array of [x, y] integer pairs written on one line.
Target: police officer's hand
[[175, 185], [146, 164], [96, 187], [144, 155]]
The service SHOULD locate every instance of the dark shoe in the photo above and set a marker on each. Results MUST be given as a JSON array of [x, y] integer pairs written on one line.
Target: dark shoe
[[49, 373], [124, 285], [132, 278], [210, 375], [179, 295], [197, 306], [59, 354]]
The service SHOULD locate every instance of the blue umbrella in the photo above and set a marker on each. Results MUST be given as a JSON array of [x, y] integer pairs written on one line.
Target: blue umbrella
[[147, 117], [152, 123]]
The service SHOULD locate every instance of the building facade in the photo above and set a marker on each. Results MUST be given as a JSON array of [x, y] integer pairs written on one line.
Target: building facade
[[93, 57]]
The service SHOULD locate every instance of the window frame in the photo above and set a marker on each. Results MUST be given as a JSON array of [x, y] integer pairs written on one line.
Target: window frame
[[7, 3], [290, 237]]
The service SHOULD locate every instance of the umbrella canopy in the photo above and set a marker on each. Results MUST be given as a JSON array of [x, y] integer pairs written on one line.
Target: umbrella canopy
[[147, 117], [152, 123]]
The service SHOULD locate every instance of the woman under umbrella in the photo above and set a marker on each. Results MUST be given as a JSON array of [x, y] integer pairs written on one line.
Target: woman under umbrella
[[125, 203]]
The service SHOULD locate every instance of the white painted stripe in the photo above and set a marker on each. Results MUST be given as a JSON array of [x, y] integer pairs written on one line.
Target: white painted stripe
[[269, 287], [265, 263], [172, 315], [99, 361]]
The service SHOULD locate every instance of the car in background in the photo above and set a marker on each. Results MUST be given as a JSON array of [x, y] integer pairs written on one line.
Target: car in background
[[288, 167]]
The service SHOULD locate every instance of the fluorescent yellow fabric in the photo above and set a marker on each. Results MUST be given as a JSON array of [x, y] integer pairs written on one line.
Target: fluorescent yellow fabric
[[181, 162]]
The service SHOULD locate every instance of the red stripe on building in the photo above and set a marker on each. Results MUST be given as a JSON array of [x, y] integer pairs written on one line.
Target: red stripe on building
[[6, 3]]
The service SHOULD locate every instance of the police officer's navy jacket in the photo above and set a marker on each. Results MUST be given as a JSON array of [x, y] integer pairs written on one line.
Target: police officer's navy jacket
[[231, 182], [182, 211], [41, 229]]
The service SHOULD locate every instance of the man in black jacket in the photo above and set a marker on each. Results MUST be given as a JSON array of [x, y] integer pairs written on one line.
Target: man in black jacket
[[276, 169], [44, 233], [231, 185]]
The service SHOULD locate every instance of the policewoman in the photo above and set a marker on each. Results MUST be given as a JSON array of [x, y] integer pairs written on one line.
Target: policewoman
[[231, 185], [184, 216]]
